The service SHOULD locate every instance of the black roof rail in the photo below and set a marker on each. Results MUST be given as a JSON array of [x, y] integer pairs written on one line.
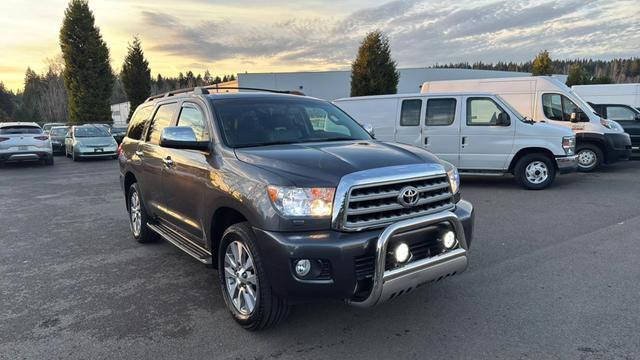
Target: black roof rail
[[203, 90]]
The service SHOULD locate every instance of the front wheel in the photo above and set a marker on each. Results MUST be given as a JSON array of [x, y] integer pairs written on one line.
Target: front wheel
[[589, 157], [245, 286], [535, 172]]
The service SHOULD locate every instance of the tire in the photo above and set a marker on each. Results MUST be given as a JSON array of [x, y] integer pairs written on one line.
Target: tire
[[268, 309], [535, 171], [590, 157], [49, 161], [138, 218], [75, 157]]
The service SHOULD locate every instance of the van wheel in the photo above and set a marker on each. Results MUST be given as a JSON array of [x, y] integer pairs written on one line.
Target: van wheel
[[244, 283], [138, 216], [535, 171], [589, 157]]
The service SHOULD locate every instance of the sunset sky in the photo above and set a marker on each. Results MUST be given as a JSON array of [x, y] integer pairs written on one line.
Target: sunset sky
[[262, 36]]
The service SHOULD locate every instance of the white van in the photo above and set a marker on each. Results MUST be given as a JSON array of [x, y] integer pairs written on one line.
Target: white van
[[547, 99], [627, 94], [477, 132]]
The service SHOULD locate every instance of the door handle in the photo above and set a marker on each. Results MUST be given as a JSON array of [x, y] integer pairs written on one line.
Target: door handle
[[167, 161], [139, 153], [464, 140], [426, 140]]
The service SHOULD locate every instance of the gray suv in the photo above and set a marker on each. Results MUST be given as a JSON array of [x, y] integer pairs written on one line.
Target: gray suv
[[291, 200]]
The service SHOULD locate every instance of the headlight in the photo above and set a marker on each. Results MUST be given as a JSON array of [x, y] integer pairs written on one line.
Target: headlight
[[292, 201], [569, 144], [454, 180], [611, 125]]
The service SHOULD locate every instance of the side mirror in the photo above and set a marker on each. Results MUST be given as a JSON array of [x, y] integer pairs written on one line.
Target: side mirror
[[503, 119], [637, 117], [369, 128], [181, 137]]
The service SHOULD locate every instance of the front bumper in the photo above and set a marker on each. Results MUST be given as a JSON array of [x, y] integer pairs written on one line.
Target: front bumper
[[58, 148], [617, 147], [99, 154], [344, 253], [567, 164]]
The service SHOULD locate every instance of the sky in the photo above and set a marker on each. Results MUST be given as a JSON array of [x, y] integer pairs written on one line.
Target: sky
[[229, 37]]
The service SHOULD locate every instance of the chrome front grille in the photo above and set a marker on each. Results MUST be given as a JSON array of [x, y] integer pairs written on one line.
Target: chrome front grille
[[377, 204]]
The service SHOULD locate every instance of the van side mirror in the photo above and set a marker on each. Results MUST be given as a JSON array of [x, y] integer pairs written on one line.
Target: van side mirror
[[181, 137], [503, 119], [369, 128]]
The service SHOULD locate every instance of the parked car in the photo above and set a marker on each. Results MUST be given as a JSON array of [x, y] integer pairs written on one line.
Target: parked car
[[47, 126], [627, 116], [57, 135], [288, 209], [627, 94], [118, 133], [477, 132], [90, 141], [24, 141], [544, 98]]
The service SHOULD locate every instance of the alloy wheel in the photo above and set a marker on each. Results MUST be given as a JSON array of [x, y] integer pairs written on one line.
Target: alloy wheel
[[240, 278], [135, 213], [537, 172]]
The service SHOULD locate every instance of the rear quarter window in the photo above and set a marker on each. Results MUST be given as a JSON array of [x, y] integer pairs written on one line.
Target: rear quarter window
[[138, 122]]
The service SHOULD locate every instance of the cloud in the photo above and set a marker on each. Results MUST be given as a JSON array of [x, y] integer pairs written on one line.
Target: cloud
[[421, 33]]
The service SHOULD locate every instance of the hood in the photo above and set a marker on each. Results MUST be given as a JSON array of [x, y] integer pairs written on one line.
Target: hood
[[324, 164], [96, 141], [551, 130]]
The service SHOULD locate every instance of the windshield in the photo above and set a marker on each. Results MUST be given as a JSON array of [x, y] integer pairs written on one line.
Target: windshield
[[90, 132], [583, 104], [58, 131], [118, 131], [270, 121], [12, 130], [513, 110]]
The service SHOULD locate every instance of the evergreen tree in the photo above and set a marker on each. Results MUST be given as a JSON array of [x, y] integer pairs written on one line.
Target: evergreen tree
[[136, 76], [374, 72], [576, 75], [542, 64], [88, 77]]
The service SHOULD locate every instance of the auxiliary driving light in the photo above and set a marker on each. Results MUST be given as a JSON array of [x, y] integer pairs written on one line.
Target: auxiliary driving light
[[449, 239], [302, 267], [401, 253]]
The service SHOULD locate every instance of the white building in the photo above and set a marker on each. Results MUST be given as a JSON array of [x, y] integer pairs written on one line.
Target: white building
[[331, 85]]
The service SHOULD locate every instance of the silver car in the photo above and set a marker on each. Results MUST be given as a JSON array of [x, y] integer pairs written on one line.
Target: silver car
[[90, 141], [24, 141]]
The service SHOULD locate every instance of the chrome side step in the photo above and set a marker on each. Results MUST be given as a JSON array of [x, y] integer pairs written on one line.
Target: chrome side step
[[182, 243]]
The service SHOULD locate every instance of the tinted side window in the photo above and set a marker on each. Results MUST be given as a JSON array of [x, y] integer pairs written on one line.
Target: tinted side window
[[194, 118], [620, 113], [138, 122], [552, 106], [482, 111], [441, 112], [410, 112], [161, 120]]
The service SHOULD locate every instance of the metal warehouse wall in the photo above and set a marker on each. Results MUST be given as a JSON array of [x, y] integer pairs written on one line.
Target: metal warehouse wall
[[331, 85]]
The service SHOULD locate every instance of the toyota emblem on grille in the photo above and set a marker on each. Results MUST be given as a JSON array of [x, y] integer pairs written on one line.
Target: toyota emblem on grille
[[408, 196]]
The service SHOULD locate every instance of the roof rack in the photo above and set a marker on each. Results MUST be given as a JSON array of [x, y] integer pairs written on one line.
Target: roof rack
[[204, 90]]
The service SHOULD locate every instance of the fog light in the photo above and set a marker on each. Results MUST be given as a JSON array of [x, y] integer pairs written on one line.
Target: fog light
[[401, 253], [303, 267], [449, 239]]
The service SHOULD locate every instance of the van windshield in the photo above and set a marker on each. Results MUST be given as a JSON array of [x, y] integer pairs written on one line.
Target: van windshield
[[511, 108]]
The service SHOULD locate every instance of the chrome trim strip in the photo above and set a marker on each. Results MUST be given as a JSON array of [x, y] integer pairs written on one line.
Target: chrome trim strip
[[374, 177], [380, 276]]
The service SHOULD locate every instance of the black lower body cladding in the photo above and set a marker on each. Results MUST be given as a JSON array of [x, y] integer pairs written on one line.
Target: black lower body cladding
[[337, 255], [617, 147]]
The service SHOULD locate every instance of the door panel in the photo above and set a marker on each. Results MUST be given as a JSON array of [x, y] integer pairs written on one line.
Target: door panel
[[441, 129], [484, 144], [410, 116]]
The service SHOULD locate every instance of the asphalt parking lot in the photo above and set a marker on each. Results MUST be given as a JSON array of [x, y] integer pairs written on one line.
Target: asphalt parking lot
[[553, 274]]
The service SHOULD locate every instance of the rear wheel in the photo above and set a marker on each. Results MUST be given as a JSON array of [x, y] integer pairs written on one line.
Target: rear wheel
[[74, 156], [49, 160], [138, 216], [590, 157], [244, 283], [535, 171]]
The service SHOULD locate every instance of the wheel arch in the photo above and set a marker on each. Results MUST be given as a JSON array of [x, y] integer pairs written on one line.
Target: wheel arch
[[221, 219], [531, 150], [129, 179]]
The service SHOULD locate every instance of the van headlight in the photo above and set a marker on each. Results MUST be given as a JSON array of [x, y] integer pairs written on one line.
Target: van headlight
[[293, 201], [454, 180], [611, 125], [569, 145]]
